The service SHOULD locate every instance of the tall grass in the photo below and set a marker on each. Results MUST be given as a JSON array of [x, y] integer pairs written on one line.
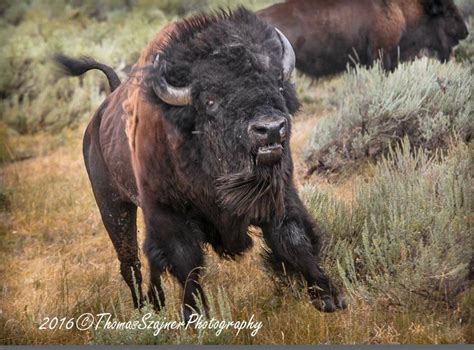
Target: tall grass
[[219, 309]]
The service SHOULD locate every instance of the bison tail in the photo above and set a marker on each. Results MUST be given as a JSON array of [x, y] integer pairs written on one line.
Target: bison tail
[[78, 66]]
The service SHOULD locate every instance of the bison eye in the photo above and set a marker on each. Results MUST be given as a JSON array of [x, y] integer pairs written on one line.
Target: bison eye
[[281, 89], [211, 105]]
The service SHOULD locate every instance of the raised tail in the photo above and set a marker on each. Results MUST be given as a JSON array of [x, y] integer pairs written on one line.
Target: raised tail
[[78, 66]]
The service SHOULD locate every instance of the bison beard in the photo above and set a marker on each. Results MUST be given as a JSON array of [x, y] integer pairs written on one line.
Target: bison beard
[[198, 137], [259, 195]]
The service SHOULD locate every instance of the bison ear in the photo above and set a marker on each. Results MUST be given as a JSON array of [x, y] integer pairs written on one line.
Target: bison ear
[[433, 7]]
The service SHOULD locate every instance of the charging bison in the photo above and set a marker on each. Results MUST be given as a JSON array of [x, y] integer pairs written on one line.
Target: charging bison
[[327, 35], [198, 137]]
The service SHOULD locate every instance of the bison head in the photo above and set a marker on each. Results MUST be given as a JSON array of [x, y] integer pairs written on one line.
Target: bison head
[[438, 29], [223, 82]]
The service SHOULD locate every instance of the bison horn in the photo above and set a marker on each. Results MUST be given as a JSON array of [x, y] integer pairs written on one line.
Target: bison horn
[[175, 96], [288, 59]]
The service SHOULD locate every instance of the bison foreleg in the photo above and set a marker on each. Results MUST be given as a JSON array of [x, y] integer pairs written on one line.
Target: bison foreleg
[[294, 247], [173, 243]]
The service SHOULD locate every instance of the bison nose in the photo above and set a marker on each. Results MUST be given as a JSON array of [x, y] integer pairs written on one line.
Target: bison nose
[[268, 130], [463, 32]]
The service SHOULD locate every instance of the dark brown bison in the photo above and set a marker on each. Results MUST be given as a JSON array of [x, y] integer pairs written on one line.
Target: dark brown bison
[[198, 137], [327, 35]]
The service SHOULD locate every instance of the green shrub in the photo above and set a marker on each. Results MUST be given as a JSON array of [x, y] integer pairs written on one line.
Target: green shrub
[[181, 8], [33, 97], [407, 233], [466, 7], [424, 100]]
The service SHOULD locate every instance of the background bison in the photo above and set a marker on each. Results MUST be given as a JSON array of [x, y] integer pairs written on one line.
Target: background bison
[[329, 35]]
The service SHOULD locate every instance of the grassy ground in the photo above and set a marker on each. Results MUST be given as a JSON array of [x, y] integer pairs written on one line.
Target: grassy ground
[[58, 261], [55, 256]]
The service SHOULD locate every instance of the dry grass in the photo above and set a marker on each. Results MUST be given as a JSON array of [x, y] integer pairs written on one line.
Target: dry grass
[[58, 261], [56, 257]]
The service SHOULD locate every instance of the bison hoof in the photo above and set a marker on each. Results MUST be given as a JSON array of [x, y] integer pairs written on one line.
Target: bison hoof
[[328, 303], [190, 314]]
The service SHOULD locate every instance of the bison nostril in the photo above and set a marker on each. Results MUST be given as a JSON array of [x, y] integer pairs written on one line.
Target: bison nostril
[[282, 128], [260, 129]]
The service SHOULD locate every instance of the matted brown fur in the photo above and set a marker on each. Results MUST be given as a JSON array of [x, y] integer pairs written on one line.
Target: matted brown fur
[[135, 104]]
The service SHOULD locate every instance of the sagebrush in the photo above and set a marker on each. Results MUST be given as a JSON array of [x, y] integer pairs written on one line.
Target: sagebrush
[[33, 96], [406, 234], [424, 100]]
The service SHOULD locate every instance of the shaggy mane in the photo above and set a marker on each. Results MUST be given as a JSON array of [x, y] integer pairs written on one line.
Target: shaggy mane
[[188, 27]]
